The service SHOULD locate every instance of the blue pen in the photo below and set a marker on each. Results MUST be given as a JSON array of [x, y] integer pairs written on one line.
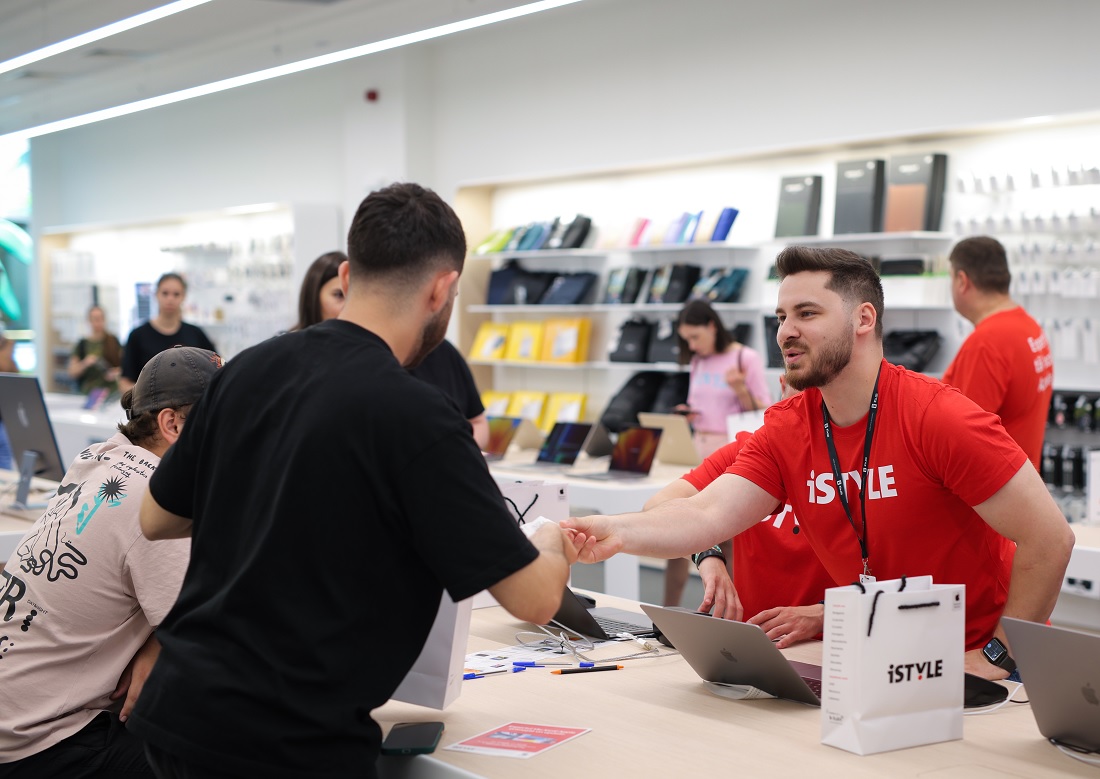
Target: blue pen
[[476, 675], [533, 664]]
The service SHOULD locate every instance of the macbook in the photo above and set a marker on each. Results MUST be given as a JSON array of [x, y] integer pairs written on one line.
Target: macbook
[[727, 652], [602, 623], [676, 446], [599, 443], [561, 447], [632, 456], [501, 432], [1061, 670]]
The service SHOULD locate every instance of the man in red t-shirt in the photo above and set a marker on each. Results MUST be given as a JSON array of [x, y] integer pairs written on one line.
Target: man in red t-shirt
[[776, 574], [1005, 365], [931, 483]]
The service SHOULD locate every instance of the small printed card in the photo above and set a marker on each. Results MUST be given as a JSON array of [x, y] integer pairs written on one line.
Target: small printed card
[[517, 739]]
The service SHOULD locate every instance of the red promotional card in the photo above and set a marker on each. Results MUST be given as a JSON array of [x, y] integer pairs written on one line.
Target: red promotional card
[[517, 739]]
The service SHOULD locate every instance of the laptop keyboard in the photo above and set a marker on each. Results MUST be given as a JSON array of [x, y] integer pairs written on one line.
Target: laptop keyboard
[[613, 627], [814, 685]]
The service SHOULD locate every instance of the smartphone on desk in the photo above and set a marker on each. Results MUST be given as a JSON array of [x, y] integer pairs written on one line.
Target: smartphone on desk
[[412, 738]]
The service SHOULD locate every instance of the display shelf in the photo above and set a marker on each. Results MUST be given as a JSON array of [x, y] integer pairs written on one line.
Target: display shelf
[[553, 366], [864, 238], [542, 254], [604, 308]]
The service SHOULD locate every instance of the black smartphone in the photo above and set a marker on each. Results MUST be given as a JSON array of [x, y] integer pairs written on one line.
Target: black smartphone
[[412, 738]]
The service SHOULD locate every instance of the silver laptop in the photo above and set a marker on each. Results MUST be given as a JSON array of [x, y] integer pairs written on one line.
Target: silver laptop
[[561, 448], [1061, 670], [728, 652], [604, 622], [677, 446], [632, 457]]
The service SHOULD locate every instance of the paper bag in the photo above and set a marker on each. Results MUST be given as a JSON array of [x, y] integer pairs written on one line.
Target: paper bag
[[436, 676], [750, 421], [892, 666], [529, 500]]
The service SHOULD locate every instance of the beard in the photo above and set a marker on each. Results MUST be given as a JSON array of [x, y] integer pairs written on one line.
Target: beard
[[834, 357], [431, 335]]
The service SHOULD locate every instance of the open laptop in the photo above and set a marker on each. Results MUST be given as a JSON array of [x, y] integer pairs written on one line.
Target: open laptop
[[561, 447], [632, 457], [603, 623], [501, 432], [676, 447], [1061, 670], [728, 652]]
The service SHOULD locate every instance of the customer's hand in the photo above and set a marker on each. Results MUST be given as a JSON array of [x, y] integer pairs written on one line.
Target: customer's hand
[[975, 663], [133, 678], [593, 538]]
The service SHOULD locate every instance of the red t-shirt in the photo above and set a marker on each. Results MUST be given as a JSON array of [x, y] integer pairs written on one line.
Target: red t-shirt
[[773, 565], [1005, 366], [934, 455]]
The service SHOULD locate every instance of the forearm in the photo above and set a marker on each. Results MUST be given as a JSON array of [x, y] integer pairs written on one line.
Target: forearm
[[533, 593], [158, 524], [1037, 575]]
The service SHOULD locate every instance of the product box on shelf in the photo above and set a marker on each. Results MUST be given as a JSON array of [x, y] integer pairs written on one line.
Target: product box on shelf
[[860, 186], [565, 340], [914, 192], [490, 341], [799, 206]]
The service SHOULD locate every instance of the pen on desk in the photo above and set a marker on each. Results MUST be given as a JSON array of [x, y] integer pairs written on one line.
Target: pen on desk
[[479, 674], [590, 669], [534, 664]]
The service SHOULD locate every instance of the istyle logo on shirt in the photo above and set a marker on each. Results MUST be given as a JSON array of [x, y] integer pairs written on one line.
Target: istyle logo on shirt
[[880, 484]]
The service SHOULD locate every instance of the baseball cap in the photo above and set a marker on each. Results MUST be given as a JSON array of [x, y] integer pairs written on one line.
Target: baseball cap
[[175, 377]]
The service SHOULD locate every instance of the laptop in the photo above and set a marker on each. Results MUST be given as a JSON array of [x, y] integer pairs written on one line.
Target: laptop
[[501, 432], [599, 443], [1061, 670], [604, 622], [632, 457], [561, 447], [728, 652], [676, 447]]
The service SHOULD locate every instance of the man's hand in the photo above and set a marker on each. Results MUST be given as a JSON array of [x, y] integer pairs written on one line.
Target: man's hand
[[976, 663], [133, 678], [593, 539], [790, 624], [718, 590]]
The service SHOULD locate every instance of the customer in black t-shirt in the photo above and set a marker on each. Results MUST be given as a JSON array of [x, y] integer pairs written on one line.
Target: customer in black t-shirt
[[165, 330], [331, 498], [446, 369]]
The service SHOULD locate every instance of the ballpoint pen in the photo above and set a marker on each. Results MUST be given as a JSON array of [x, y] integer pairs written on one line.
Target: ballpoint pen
[[536, 664], [479, 674], [591, 669]]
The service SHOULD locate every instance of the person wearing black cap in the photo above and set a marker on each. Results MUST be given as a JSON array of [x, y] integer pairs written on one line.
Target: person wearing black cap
[[83, 591]]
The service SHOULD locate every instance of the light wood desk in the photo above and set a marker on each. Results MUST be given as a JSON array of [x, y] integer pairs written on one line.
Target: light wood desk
[[656, 716], [605, 497]]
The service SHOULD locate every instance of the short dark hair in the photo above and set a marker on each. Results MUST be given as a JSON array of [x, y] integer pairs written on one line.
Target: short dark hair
[[402, 233], [168, 276], [985, 263], [697, 313], [323, 269], [850, 275], [144, 429]]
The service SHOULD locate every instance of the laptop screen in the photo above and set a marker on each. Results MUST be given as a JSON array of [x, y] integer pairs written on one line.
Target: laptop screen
[[501, 432], [635, 449], [564, 443]]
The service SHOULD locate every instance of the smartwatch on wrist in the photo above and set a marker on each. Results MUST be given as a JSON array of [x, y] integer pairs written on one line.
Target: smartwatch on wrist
[[714, 551], [997, 653]]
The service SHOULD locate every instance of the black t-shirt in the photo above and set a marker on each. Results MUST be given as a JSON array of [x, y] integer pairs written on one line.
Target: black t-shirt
[[146, 342], [445, 368], [333, 498]]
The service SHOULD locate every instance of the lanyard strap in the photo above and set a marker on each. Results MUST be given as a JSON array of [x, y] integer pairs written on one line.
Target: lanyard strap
[[838, 475]]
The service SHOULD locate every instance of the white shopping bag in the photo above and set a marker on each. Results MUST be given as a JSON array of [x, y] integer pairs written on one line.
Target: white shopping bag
[[892, 666], [529, 500], [750, 421], [436, 677]]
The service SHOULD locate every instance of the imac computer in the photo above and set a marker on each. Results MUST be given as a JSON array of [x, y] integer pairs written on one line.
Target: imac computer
[[34, 448]]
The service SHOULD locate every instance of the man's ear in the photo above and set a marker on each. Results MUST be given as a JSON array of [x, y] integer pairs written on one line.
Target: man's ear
[[867, 317], [170, 425], [344, 272], [442, 290]]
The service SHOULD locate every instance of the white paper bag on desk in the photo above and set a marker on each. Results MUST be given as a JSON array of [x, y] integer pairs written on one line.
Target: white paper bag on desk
[[892, 665], [436, 676], [528, 500], [750, 421]]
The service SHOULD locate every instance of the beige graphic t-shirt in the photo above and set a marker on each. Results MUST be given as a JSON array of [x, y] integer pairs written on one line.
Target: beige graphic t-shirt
[[81, 593]]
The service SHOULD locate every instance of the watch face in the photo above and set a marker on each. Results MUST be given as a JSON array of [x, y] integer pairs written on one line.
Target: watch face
[[995, 651]]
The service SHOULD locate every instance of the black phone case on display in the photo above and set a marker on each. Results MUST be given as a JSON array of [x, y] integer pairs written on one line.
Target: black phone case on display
[[412, 738]]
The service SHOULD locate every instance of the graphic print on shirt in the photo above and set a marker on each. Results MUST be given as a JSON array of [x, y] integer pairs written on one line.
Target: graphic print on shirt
[[42, 552], [880, 484]]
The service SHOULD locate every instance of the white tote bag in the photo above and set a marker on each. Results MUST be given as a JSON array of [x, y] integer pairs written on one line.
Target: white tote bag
[[436, 677], [892, 666]]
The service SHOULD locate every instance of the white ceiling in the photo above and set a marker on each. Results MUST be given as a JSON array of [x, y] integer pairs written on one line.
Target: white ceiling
[[218, 40]]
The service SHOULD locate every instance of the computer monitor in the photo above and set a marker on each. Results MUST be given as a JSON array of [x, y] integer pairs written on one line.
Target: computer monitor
[[33, 445]]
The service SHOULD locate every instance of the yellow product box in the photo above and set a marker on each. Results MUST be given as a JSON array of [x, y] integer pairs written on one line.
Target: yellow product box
[[524, 341], [496, 403], [563, 407], [527, 404], [566, 340], [489, 344]]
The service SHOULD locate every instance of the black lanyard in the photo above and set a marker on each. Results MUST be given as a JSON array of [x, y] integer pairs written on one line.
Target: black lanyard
[[838, 475]]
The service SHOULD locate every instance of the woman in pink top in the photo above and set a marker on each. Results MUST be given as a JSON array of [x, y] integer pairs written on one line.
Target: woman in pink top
[[726, 377]]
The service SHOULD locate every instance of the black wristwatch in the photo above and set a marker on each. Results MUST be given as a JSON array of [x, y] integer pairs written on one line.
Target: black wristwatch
[[714, 551], [997, 653]]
